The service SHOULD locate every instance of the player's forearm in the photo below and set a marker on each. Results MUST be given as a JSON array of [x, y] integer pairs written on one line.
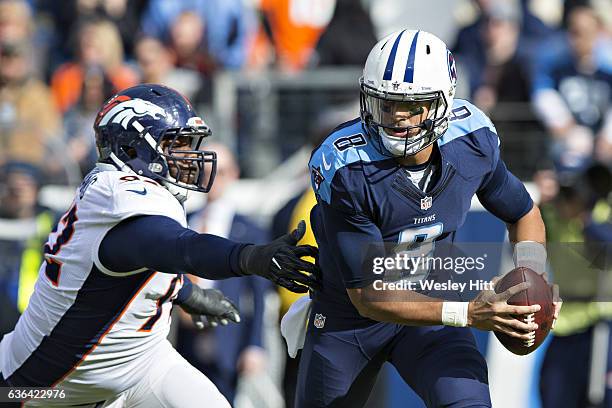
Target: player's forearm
[[418, 313], [528, 235], [162, 244], [413, 309], [530, 227]]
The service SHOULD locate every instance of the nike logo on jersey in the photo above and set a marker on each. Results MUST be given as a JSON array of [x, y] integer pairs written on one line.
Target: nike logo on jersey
[[326, 166], [143, 192]]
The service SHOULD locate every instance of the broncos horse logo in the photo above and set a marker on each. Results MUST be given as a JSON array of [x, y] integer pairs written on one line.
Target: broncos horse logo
[[124, 109]]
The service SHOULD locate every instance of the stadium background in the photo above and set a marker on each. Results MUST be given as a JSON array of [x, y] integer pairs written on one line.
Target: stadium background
[[271, 77]]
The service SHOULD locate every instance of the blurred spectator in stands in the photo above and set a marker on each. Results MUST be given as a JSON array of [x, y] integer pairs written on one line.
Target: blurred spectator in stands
[[187, 43], [68, 14], [156, 63], [29, 123], [79, 135], [24, 226], [18, 25], [228, 26], [123, 13], [15, 21], [579, 213], [343, 44], [99, 44], [470, 43], [290, 31], [504, 76], [572, 92], [228, 352]]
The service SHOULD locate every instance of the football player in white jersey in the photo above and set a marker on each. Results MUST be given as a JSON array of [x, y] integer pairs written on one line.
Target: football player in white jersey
[[97, 323]]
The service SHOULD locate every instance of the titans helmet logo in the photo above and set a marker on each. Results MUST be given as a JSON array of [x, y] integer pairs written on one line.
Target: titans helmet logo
[[123, 110], [452, 69]]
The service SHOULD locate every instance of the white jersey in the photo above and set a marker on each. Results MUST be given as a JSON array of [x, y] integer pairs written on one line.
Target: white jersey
[[87, 328]]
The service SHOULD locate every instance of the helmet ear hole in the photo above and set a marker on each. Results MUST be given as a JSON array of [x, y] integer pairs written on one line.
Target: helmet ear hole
[[130, 151]]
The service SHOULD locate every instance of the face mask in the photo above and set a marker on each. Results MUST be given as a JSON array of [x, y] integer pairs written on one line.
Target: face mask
[[397, 145]]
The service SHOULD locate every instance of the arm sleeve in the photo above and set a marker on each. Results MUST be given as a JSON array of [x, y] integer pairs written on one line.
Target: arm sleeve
[[503, 195], [162, 244], [355, 240], [185, 292]]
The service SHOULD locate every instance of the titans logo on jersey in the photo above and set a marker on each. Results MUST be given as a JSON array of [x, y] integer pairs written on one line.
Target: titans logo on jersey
[[365, 197]]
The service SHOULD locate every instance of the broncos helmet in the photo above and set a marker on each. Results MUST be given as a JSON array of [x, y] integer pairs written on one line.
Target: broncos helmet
[[404, 72], [153, 131]]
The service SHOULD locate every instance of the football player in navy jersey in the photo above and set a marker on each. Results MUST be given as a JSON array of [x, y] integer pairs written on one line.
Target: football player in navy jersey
[[405, 173]]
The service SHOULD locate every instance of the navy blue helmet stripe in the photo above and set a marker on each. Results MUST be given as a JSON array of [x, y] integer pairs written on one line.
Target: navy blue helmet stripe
[[391, 60], [409, 74], [99, 304]]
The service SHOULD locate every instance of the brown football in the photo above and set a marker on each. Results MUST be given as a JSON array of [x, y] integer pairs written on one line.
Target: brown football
[[539, 293]]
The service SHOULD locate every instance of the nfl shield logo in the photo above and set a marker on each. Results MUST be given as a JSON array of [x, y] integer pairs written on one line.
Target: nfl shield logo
[[426, 203], [319, 321]]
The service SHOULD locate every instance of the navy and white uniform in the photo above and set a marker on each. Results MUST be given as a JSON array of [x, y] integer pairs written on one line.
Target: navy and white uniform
[[367, 197], [95, 326]]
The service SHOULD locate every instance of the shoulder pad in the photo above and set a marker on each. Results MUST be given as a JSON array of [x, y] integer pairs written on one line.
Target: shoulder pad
[[345, 145], [115, 195], [464, 119]]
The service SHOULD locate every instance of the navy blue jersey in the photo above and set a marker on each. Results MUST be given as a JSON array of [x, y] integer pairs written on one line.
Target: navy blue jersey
[[365, 197]]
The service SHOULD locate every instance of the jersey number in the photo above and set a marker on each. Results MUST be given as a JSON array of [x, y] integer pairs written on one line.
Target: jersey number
[[418, 243], [347, 142], [62, 233], [459, 113], [169, 295]]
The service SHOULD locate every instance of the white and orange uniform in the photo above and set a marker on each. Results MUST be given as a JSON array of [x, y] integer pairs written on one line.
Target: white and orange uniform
[[101, 335]]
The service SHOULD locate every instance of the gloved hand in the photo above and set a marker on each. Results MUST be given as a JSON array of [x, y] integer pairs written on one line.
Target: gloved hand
[[209, 308], [279, 261]]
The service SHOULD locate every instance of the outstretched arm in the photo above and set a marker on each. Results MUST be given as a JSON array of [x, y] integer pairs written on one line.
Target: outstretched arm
[[162, 244]]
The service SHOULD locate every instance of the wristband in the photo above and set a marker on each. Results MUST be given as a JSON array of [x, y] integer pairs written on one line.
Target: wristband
[[455, 314], [530, 254]]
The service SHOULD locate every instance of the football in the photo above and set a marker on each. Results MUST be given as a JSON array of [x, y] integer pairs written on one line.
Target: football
[[540, 293]]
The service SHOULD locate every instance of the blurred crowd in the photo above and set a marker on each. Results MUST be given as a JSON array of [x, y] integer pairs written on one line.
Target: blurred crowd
[[546, 65], [60, 60]]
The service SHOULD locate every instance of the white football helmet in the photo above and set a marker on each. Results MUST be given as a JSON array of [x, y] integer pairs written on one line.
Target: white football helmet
[[404, 72]]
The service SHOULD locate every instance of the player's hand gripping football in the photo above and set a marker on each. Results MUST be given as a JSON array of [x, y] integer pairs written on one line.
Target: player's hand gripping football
[[490, 311], [280, 261], [209, 308]]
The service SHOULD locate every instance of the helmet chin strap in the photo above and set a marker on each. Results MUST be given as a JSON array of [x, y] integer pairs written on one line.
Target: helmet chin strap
[[120, 165]]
